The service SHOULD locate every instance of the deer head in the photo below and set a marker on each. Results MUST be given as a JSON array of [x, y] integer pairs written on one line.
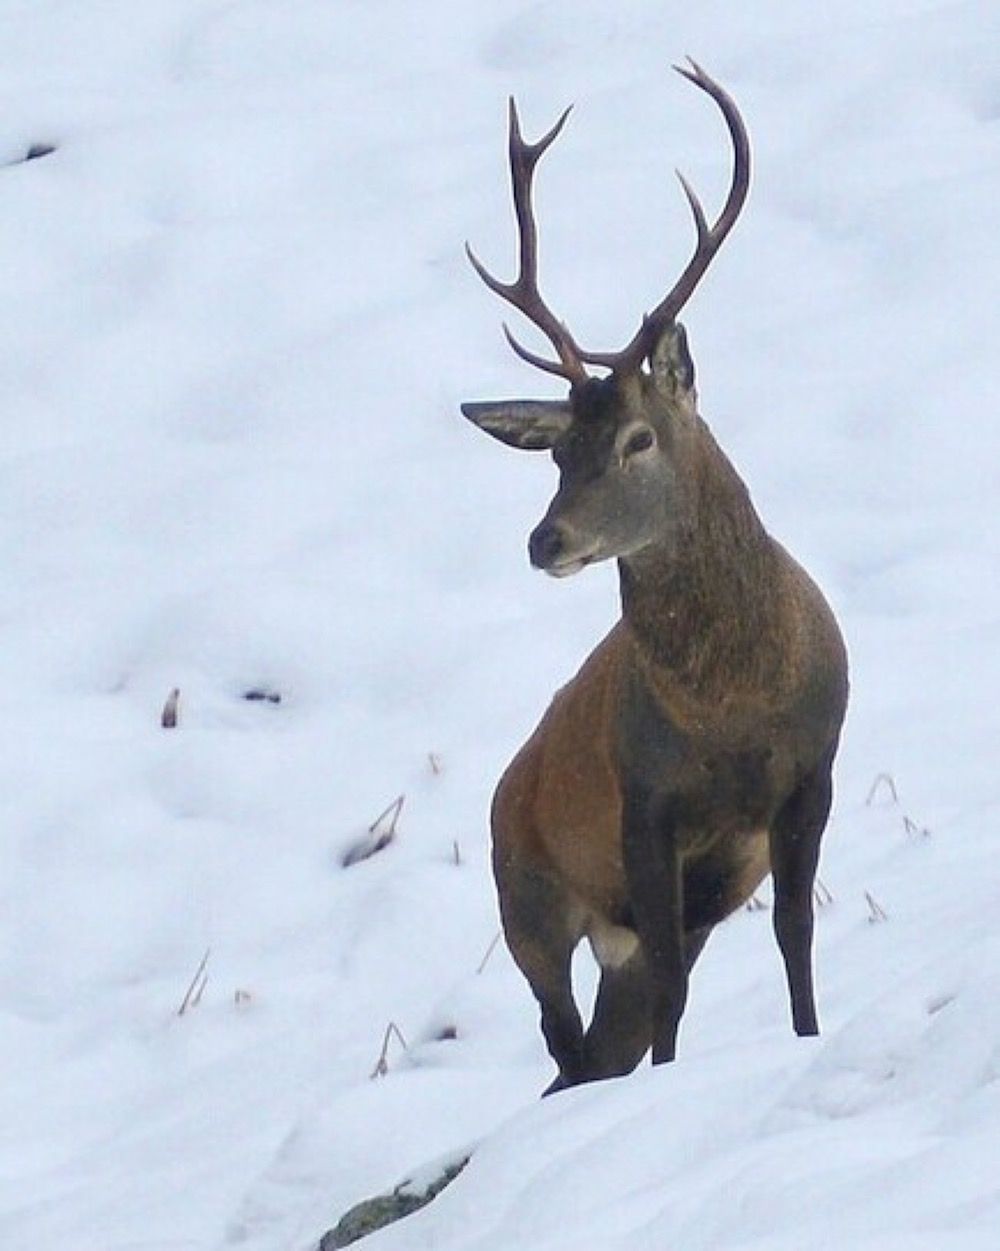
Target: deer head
[[619, 439]]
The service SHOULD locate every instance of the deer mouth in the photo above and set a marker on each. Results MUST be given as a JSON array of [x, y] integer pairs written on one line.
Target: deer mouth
[[566, 568]]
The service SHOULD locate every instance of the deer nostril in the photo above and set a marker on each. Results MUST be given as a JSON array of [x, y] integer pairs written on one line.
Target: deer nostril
[[544, 545]]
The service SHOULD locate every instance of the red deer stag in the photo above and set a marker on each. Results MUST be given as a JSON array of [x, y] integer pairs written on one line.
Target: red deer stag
[[692, 752]]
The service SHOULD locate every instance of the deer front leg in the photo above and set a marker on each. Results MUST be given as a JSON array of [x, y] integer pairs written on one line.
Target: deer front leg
[[653, 873]]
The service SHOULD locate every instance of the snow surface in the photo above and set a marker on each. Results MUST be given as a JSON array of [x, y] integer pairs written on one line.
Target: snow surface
[[237, 327]]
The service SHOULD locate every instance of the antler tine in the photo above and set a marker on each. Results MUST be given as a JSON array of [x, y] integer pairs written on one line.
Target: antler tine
[[697, 208], [709, 238], [523, 292], [540, 362]]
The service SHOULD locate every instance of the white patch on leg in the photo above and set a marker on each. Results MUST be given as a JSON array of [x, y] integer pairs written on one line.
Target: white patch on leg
[[612, 945]]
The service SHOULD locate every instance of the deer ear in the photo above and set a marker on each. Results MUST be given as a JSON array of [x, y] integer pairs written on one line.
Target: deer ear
[[534, 425], [673, 368]]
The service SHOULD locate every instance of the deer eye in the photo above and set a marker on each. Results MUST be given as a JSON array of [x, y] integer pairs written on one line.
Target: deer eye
[[641, 441]]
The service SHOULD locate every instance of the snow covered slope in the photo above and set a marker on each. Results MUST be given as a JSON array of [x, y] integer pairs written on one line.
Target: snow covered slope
[[237, 327]]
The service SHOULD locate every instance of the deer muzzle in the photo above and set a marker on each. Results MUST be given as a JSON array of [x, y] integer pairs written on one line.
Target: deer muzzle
[[551, 548]]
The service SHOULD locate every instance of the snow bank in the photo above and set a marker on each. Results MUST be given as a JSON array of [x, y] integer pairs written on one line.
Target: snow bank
[[237, 327]]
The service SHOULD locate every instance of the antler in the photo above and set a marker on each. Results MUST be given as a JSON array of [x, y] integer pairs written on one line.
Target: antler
[[523, 293], [709, 238]]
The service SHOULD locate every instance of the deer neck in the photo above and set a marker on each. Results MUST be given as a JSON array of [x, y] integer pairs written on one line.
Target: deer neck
[[700, 604]]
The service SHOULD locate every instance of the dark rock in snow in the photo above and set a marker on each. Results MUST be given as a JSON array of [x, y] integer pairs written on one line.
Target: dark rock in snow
[[260, 694], [372, 1214]]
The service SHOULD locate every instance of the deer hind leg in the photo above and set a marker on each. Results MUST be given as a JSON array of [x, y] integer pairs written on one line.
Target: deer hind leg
[[543, 925], [620, 1031], [795, 839]]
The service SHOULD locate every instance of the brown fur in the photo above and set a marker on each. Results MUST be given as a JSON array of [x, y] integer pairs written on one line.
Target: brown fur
[[743, 659]]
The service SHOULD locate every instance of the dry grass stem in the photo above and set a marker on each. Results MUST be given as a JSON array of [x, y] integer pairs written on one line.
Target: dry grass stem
[[876, 913], [822, 893], [382, 1064], [168, 718], [380, 834], [194, 992], [882, 781], [489, 951], [911, 827]]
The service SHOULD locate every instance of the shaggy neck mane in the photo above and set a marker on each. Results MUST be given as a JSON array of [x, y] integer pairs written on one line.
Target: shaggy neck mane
[[703, 606]]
